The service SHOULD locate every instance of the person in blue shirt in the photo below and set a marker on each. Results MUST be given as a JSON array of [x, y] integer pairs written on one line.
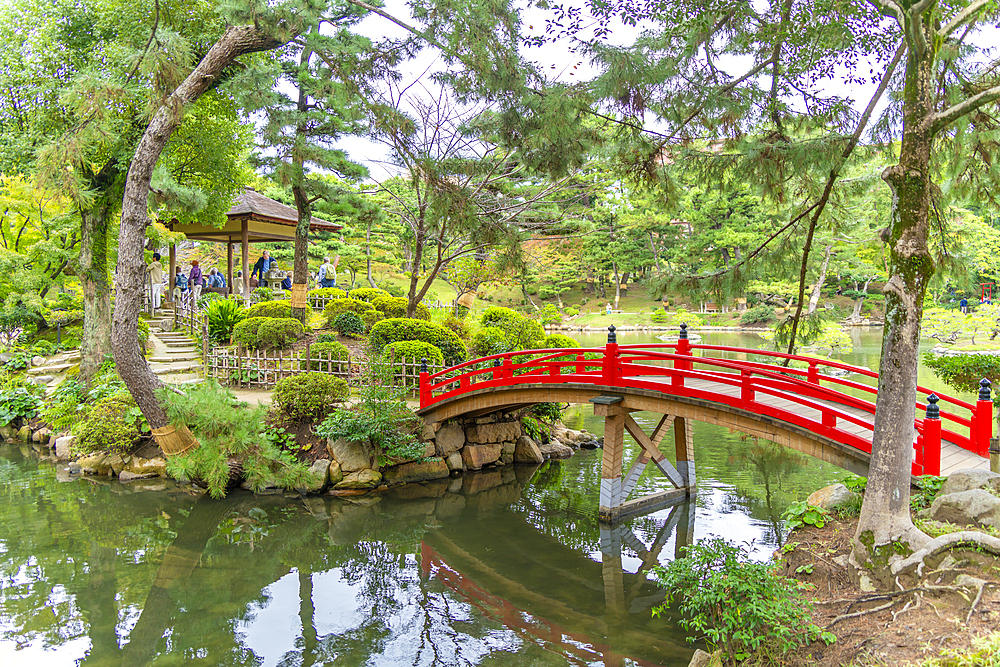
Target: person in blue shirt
[[287, 282], [262, 266], [963, 305]]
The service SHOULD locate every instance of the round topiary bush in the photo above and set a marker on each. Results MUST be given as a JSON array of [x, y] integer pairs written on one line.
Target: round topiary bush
[[245, 333], [757, 314], [370, 317], [491, 340], [279, 332], [350, 324], [368, 294], [413, 350], [270, 309], [319, 353], [309, 396], [395, 306], [328, 292], [557, 340], [341, 306], [522, 333], [497, 316], [111, 424], [401, 328]]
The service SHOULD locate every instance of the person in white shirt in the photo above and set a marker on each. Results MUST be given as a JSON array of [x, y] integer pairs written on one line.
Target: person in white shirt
[[155, 280]]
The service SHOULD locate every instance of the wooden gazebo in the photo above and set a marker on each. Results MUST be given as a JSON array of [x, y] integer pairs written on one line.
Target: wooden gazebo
[[253, 218]]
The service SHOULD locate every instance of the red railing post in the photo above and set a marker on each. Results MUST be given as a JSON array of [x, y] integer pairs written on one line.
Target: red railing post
[[813, 374], [425, 384], [611, 361], [579, 363], [746, 388], [508, 370], [684, 348], [982, 424], [497, 371], [930, 439]]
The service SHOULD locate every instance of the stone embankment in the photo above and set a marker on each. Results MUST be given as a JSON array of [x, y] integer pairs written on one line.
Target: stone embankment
[[450, 450]]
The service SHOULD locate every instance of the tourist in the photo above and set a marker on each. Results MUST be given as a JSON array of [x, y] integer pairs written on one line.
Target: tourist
[[262, 266], [608, 308], [195, 280], [963, 305], [287, 282], [155, 280], [238, 283], [325, 272]]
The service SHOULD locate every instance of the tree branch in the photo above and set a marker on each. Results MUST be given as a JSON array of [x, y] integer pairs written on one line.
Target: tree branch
[[942, 119], [960, 18]]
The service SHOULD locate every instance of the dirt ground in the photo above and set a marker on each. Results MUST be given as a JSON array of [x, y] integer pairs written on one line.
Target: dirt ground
[[913, 627]]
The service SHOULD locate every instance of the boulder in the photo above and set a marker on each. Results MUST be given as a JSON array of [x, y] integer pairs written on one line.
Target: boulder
[[455, 461], [483, 434], [476, 456], [318, 473], [527, 451], [41, 435], [507, 452], [24, 433], [703, 659], [63, 447], [977, 506], [6, 432], [448, 439], [95, 464], [555, 450], [118, 462], [832, 497], [419, 471], [362, 479], [126, 476], [426, 432], [37, 360], [590, 444], [156, 466], [968, 479], [167, 324], [334, 474], [352, 456]]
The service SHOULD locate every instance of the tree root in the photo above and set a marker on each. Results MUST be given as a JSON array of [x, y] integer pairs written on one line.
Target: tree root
[[864, 612], [937, 545]]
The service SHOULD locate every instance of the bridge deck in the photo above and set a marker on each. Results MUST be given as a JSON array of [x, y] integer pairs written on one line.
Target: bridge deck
[[953, 457]]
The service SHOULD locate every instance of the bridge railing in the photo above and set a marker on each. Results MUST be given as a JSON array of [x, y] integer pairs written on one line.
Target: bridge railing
[[671, 368]]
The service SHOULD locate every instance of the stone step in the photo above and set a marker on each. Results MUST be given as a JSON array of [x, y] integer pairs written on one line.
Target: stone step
[[167, 369], [49, 370], [167, 359], [177, 343], [171, 335]]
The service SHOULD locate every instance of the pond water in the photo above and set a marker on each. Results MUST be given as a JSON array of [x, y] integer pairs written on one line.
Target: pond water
[[509, 567]]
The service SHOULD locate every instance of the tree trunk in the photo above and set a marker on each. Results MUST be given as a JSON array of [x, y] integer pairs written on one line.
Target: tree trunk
[[618, 284], [814, 299], [300, 264], [656, 255], [92, 268], [131, 269], [368, 254], [885, 523]]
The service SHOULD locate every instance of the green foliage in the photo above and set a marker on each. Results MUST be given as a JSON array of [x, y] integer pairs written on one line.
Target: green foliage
[[413, 350], [855, 483], [350, 324], [245, 332], [522, 333], [327, 350], [370, 317], [964, 371], [341, 306], [558, 340], [951, 326], [19, 403], [547, 412], [369, 294], [261, 295], [458, 325], [570, 311], [550, 314], [326, 338], [328, 292], [800, 513], [490, 340], [228, 430], [279, 332], [380, 418], [659, 317], [142, 328], [270, 309], [741, 607], [757, 314], [207, 298], [63, 407], [112, 424], [309, 396], [395, 306], [223, 316], [498, 316], [927, 489], [396, 329]]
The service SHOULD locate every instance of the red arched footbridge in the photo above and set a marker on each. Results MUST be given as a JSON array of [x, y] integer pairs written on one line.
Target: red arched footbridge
[[812, 406]]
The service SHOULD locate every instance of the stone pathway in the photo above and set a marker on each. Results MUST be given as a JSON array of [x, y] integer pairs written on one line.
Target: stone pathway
[[173, 352]]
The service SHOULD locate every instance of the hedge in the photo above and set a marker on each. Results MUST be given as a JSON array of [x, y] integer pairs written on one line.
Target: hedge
[[340, 306], [245, 332], [309, 396], [368, 294], [260, 332], [401, 328], [522, 333], [395, 306], [964, 371], [324, 351], [413, 350], [270, 309], [329, 292]]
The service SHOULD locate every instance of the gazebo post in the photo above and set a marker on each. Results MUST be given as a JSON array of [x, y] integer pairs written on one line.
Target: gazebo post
[[244, 261], [172, 280], [229, 264]]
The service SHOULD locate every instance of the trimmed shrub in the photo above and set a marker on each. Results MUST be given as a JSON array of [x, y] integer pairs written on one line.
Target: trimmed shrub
[[279, 332], [395, 306], [245, 332], [558, 340], [341, 306], [522, 333], [329, 292], [326, 338], [458, 325], [111, 424], [550, 314], [757, 314], [309, 396], [223, 315], [350, 324], [964, 371], [320, 352], [270, 309], [401, 328], [261, 294], [570, 311], [368, 294], [370, 317], [490, 340], [413, 350], [498, 316]]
